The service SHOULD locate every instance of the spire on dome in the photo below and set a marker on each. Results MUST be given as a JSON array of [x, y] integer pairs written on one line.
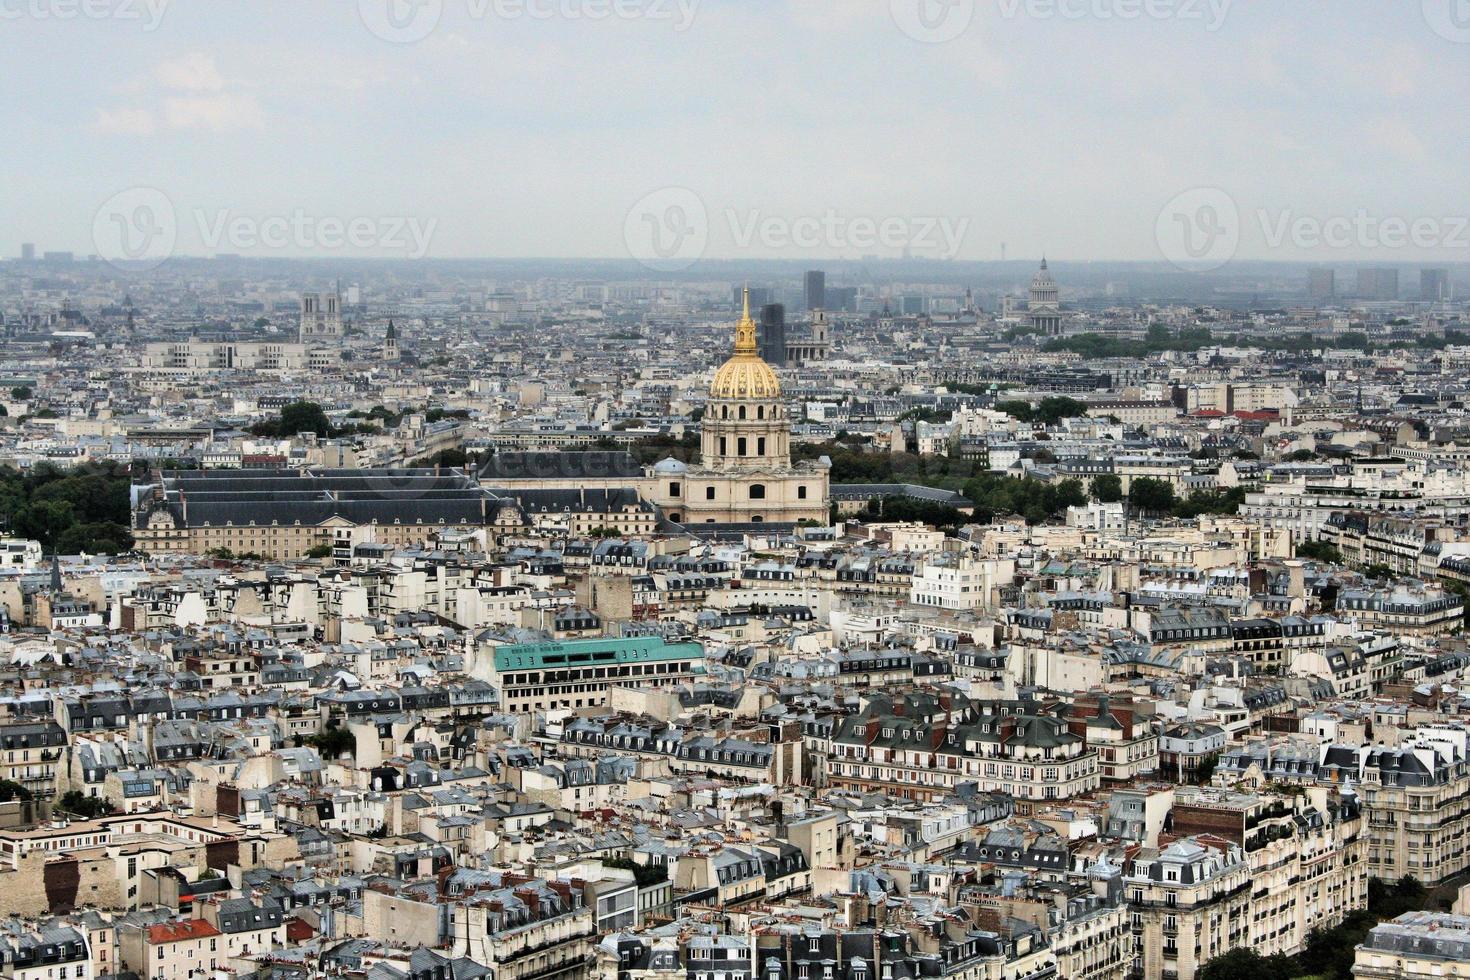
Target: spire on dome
[[745, 340], [1043, 261]]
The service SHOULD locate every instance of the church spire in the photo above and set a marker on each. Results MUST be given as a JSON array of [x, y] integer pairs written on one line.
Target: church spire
[[745, 340]]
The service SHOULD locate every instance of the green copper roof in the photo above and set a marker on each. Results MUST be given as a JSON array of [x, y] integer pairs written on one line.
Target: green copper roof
[[594, 652]]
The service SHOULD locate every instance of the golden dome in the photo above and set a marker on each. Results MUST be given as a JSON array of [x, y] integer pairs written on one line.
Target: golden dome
[[745, 375]]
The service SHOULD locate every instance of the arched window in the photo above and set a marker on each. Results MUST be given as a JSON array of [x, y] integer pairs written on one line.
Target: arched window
[[742, 413], [757, 491], [724, 411], [760, 411]]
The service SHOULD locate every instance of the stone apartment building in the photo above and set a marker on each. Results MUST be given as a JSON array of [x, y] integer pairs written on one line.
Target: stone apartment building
[[920, 749]]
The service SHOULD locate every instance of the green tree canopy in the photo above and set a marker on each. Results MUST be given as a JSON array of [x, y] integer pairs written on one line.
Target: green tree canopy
[[1107, 488]]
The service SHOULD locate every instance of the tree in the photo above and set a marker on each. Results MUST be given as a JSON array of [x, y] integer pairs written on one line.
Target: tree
[[320, 551], [44, 520], [296, 417], [94, 539], [1150, 494], [10, 790], [1107, 488], [20, 393], [1322, 551], [86, 807], [1246, 964], [333, 742]]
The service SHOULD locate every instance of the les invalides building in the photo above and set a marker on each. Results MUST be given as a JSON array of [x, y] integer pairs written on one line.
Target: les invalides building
[[745, 474]]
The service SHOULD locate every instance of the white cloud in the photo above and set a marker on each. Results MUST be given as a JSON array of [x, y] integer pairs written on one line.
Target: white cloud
[[187, 92], [195, 72], [125, 121], [220, 113]]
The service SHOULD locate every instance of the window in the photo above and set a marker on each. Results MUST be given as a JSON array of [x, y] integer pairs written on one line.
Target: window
[[673, 488], [740, 446], [801, 493], [757, 491], [709, 493]]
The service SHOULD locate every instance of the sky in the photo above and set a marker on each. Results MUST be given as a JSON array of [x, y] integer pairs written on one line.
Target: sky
[[1191, 131]]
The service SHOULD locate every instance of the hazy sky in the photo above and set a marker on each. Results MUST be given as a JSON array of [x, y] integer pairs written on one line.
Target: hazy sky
[[744, 127]]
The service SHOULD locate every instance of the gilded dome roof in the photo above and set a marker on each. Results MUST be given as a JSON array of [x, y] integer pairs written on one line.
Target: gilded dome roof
[[745, 375]]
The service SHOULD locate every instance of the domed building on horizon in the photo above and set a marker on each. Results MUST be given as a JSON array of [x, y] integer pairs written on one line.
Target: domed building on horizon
[[745, 474], [1044, 307]]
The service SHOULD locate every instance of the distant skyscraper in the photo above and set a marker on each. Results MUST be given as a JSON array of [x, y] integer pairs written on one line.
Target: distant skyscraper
[[773, 334], [815, 290], [1434, 285], [1382, 284], [842, 299], [1321, 283], [28, 252]]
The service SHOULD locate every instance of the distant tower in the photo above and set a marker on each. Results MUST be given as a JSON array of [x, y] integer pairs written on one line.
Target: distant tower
[[815, 290], [1044, 309], [321, 316], [1434, 285], [773, 334], [1322, 283], [821, 329], [390, 343]]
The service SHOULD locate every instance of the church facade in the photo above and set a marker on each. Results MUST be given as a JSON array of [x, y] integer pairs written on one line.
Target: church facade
[[1044, 307]]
